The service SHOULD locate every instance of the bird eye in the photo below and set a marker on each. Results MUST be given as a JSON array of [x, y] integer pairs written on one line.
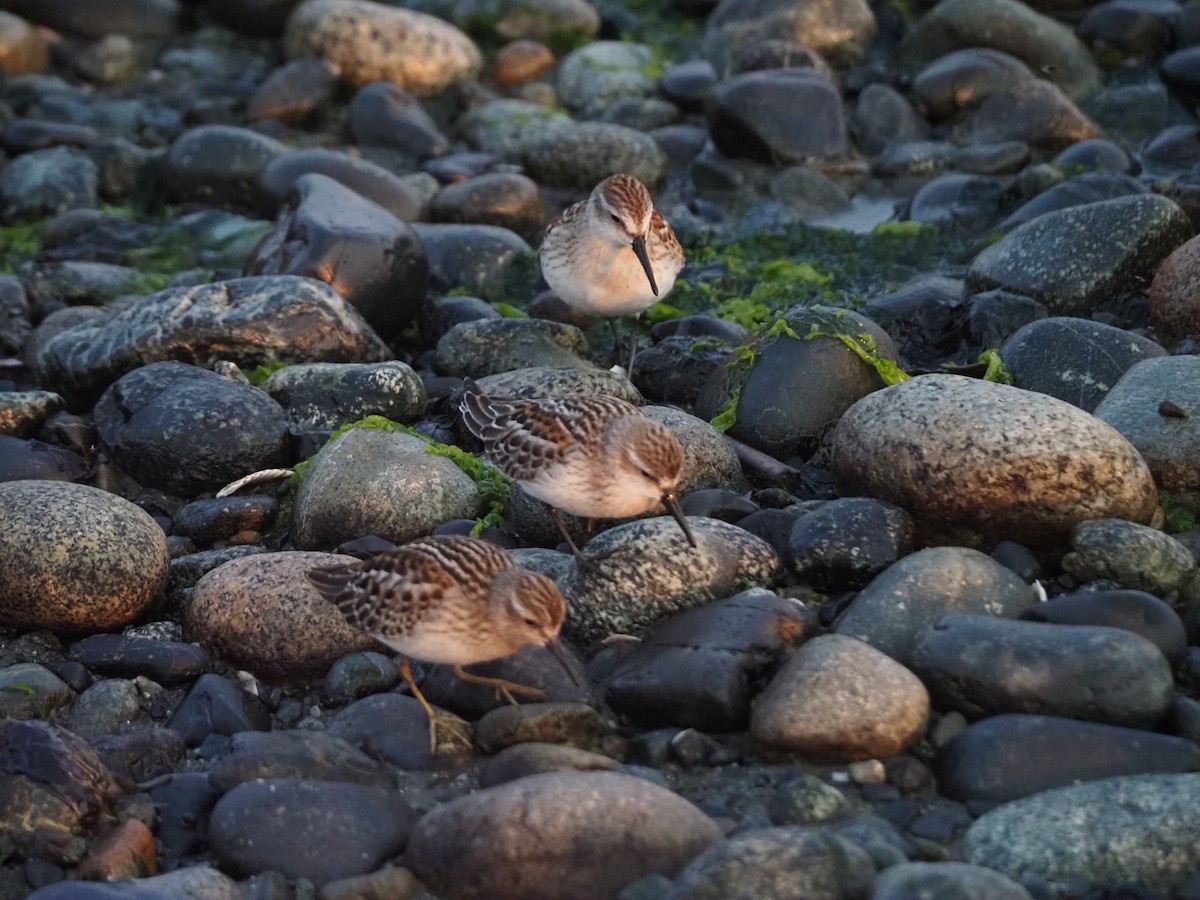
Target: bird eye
[[532, 623], [616, 218]]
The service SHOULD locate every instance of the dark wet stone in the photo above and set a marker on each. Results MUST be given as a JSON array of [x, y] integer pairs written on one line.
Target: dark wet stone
[[1008, 756], [1076, 360], [772, 525], [960, 204], [363, 177], [1132, 555], [256, 18], [1089, 187], [820, 378], [1181, 69], [142, 754], [883, 116], [319, 830], [777, 862], [215, 705], [32, 691], [1173, 149], [358, 675], [1043, 44], [182, 804], [699, 668], [246, 321], [926, 317], [221, 164], [717, 503], [1099, 155], [946, 880], [107, 707], [1136, 407], [46, 183], [303, 755], [571, 724], [1075, 259], [548, 838], [54, 788], [385, 113], [394, 728], [748, 116], [183, 884], [534, 667], [839, 31], [14, 315], [531, 758], [893, 610], [1034, 111], [24, 135], [443, 313], [34, 459], [184, 429], [844, 543], [1019, 559], [1135, 28], [963, 79], [687, 84], [118, 557], [135, 18], [328, 395], [508, 200], [978, 665], [701, 326], [167, 662], [329, 232], [293, 93], [674, 369], [475, 258], [220, 518], [994, 316]]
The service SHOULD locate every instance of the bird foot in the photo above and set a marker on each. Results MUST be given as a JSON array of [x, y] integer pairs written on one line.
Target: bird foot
[[501, 686], [448, 732]]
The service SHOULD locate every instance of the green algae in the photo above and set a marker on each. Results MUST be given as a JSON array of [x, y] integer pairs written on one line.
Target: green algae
[[997, 371]]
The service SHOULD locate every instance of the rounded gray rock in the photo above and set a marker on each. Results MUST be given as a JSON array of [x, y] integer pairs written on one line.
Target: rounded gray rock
[[1137, 829], [261, 614], [1076, 259], [1169, 443], [74, 558], [1132, 555], [319, 830], [369, 481], [790, 863], [976, 462], [576, 834], [581, 157], [328, 395], [893, 610], [839, 700], [946, 881]]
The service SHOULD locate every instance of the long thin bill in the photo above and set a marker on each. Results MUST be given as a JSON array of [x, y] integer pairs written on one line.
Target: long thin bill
[[556, 649], [671, 504], [639, 249]]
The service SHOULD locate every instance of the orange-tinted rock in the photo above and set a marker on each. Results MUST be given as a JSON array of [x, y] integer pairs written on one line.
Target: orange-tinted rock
[[1175, 294], [23, 50], [126, 853], [521, 61]]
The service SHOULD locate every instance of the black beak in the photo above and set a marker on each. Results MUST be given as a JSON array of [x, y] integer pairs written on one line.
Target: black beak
[[671, 504], [557, 651], [639, 249]]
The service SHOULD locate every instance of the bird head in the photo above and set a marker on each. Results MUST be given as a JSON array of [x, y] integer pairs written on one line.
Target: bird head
[[622, 206]]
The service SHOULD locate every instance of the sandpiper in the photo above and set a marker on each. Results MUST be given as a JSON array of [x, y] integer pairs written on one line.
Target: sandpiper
[[448, 599], [589, 455], [612, 254]]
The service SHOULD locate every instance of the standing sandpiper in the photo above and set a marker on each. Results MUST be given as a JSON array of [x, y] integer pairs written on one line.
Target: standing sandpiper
[[611, 255], [590, 455], [448, 599]]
